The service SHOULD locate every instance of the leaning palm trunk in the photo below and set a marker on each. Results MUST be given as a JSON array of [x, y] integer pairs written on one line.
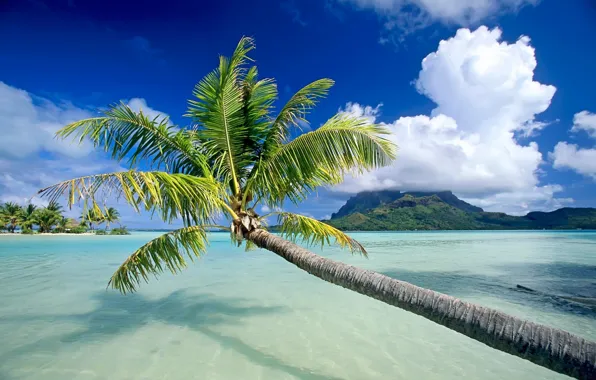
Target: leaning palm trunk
[[236, 156], [552, 348]]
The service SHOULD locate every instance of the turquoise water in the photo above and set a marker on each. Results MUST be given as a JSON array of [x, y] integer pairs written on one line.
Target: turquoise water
[[239, 315]]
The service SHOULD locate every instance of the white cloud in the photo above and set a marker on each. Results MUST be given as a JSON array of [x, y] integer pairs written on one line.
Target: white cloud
[[368, 112], [408, 16], [485, 94], [266, 209], [140, 104], [32, 158], [28, 125], [538, 198], [532, 128], [570, 156], [585, 121], [30, 155]]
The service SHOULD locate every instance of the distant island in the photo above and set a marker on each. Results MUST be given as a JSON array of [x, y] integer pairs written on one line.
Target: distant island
[[396, 211], [34, 220]]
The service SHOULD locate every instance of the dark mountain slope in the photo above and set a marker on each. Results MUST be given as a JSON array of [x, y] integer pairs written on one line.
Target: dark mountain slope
[[368, 200], [394, 211]]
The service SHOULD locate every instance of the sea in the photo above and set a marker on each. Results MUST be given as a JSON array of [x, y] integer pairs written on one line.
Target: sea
[[251, 315]]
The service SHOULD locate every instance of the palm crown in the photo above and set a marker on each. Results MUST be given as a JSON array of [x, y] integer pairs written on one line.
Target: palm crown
[[235, 155], [110, 215], [11, 215]]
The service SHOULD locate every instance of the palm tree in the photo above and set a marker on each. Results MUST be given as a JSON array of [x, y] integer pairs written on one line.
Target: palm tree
[[28, 216], [11, 215], [3, 218], [236, 155], [62, 224], [55, 206], [46, 218], [93, 215], [110, 215]]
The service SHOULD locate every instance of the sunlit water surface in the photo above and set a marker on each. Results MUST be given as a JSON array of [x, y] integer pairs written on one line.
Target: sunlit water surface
[[239, 315]]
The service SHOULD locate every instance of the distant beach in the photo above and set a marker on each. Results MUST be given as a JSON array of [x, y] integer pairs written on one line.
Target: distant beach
[[53, 234]]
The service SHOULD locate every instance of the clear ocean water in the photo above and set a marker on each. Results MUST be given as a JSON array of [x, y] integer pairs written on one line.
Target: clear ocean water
[[239, 315]]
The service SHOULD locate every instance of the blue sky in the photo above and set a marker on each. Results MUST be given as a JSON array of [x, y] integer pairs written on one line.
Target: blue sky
[[502, 112]]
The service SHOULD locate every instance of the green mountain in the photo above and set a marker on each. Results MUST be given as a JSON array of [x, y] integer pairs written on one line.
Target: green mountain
[[393, 210], [367, 200]]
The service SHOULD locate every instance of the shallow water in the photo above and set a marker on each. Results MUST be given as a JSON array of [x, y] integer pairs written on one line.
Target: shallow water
[[239, 315]]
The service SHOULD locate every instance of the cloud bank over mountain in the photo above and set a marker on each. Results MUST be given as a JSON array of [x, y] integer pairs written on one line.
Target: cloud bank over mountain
[[477, 141]]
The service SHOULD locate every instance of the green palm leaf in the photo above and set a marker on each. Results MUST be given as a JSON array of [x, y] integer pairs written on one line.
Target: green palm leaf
[[164, 252], [293, 112], [128, 134], [258, 98], [321, 157], [218, 109], [194, 199], [313, 232]]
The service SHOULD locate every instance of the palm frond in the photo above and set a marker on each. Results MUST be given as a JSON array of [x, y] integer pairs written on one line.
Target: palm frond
[[313, 232], [218, 108], [164, 252], [321, 157], [258, 98], [293, 112], [125, 133], [250, 246], [194, 199]]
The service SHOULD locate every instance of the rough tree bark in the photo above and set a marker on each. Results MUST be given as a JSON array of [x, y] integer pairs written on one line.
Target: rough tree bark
[[552, 348]]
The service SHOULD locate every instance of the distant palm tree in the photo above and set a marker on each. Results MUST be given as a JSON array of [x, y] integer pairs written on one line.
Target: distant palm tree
[[237, 155], [3, 219], [28, 216], [11, 215], [55, 206], [91, 216], [110, 215], [46, 218], [62, 224]]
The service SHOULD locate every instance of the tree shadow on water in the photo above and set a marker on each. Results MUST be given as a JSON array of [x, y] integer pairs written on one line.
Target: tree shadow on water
[[562, 278], [115, 314], [554, 285]]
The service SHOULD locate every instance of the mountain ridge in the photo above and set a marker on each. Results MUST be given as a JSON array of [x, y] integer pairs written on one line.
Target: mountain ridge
[[442, 210], [370, 199]]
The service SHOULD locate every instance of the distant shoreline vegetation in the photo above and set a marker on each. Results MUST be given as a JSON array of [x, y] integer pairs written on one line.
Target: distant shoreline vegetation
[[429, 211], [33, 220]]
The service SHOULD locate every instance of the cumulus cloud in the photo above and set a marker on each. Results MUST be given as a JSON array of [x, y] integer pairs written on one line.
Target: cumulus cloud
[[32, 158], [485, 94], [140, 104], [266, 209], [30, 155], [572, 156], [522, 201], [585, 121], [368, 112], [28, 125], [408, 16]]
